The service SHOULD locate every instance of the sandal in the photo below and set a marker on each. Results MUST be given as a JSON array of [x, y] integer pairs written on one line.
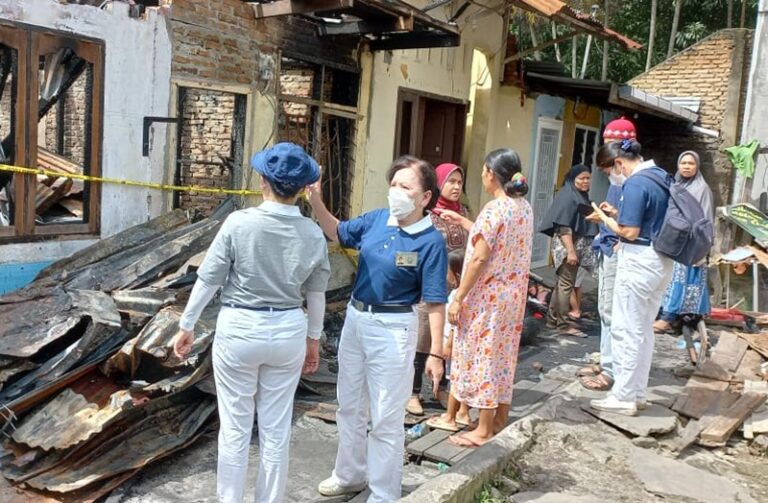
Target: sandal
[[574, 317], [590, 371], [414, 406], [438, 423], [463, 441], [572, 332], [600, 382]]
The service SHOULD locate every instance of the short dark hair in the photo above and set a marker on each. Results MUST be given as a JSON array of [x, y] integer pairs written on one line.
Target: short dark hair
[[504, 163], [605, 157], [624, 149], [283, 190], [425, 171], [456, 261]]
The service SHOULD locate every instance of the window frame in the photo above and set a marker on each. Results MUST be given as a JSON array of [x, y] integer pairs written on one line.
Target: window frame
[[32, 42]]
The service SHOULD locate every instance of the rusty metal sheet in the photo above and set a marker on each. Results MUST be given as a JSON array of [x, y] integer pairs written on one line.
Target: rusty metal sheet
[[130, 445], [155, 342]]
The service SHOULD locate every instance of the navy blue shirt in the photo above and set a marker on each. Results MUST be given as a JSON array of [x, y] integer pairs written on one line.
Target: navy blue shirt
[[644, 203], [607, 239], [380, 281]]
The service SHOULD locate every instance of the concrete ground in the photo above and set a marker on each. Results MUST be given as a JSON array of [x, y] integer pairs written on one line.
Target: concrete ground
[[189, 476]]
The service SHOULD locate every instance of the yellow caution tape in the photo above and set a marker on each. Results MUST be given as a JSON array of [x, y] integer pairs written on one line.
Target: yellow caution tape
[[129, 183]]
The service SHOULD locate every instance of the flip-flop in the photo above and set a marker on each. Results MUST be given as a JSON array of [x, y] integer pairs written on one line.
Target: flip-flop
[[600, 382], [437, 423], [589, 371], [471, 424], [462, 441], [573, 332], [574, 317]]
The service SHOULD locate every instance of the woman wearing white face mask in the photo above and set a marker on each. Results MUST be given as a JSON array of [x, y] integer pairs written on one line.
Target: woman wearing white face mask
[[403, 260]]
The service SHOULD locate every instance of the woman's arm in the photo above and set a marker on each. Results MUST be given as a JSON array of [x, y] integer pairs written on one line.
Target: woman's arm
[[456, 219], [435, 369], [325, 218], [477, 261], [567, 240], [628, 233]]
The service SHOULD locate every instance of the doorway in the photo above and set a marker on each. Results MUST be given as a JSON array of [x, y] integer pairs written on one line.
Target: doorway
[[430, 127], [549, 134]]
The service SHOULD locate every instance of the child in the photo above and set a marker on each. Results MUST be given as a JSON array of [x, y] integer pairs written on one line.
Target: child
[[455, 266]]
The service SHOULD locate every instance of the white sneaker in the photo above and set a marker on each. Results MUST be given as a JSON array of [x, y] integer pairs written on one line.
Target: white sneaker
[[613, 404], [641, 404], [331, 487]]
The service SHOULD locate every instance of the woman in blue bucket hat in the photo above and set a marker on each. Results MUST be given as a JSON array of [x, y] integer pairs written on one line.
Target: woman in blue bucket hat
[[268, 260]]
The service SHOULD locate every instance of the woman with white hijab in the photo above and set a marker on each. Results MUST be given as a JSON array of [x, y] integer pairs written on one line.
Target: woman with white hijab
[[688, 293]]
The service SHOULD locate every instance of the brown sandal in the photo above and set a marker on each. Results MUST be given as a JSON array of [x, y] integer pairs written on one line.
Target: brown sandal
[[600, 382]]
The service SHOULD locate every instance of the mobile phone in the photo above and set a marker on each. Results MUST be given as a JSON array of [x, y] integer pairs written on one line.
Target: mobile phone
[[586, 209]]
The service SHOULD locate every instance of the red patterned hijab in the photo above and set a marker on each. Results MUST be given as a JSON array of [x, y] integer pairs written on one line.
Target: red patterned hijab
[[443, 172]]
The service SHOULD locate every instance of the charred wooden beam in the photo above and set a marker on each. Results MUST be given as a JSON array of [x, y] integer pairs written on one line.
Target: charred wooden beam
[[415, 41], [292, 7], [400, 24]]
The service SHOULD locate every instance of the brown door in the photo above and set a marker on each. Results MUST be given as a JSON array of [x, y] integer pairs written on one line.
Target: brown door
[[430, 128]]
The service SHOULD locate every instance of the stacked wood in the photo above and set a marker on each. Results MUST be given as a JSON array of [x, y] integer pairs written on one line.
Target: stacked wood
[[724, 392], [90, 390], [51, 190]]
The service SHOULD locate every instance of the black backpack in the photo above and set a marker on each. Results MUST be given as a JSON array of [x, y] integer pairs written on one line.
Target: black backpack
[[687, 234]]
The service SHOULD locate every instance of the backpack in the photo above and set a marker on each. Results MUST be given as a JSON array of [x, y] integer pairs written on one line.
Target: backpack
[[687, 234]]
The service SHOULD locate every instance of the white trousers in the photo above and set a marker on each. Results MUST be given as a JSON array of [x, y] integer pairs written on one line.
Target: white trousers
[[376, 354], [605, 287], [256, 354], [642, 276]]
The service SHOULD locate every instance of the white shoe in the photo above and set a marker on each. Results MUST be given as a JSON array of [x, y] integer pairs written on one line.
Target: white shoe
[[331, 487], [641, 404], [613, 404]]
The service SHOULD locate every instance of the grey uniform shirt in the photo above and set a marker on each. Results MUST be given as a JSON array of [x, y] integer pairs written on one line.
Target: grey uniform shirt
[[270, 255]]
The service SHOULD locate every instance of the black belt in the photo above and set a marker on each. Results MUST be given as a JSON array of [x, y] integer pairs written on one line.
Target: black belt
[[258, 308], [371, 308], [638, 242]]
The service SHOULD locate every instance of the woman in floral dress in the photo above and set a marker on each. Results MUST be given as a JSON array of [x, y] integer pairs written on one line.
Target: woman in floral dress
[[489, 306]]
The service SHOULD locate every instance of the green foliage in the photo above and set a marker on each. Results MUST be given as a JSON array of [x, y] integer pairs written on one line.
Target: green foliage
[[698, 19]]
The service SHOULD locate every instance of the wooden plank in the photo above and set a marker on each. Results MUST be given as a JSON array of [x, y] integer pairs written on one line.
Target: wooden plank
[[712, 370], [758, 342], [693, 429], [431, 439], [696, 402], [443, 452], [749, 368], [718, 433], [729, 351]]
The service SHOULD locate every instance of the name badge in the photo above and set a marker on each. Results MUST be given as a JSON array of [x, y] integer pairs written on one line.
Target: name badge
[[406, 259]]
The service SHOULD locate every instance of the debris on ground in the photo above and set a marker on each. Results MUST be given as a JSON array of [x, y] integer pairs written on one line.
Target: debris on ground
[[91, 391]]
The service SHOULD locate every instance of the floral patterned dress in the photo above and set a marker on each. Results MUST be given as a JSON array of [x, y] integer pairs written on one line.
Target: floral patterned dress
[[491, 319]]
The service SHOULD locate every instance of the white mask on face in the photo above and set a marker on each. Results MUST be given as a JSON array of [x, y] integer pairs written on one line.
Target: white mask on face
[[617, 179], [400, 204]]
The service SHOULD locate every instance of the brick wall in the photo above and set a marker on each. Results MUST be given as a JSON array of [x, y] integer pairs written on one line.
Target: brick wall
[[702, 71], [206, 134], [66, 123], [222, 43]]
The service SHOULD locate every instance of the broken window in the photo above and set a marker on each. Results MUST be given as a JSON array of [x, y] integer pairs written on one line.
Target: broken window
[[318, 110], [585, 146], [52, 87], [210, 148]]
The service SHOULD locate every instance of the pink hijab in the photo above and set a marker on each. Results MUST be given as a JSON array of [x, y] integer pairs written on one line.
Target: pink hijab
[[443, 172]]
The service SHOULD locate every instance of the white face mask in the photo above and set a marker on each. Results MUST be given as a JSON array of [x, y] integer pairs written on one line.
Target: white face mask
[[400, 204], [617, 179]]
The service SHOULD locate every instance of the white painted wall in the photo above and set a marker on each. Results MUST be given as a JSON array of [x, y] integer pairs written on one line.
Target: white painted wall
[[444, 72], [137, 84]]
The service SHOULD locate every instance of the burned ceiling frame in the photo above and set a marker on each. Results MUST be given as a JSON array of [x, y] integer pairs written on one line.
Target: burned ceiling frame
[[385, 24], [559, 12]]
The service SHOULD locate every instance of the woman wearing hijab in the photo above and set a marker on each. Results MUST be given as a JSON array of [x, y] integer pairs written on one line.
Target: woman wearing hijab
[[687, 293], [450, 183], [572, 236], [268, 261]]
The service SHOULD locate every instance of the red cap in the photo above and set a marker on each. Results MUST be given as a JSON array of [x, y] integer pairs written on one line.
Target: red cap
[[620, 129]]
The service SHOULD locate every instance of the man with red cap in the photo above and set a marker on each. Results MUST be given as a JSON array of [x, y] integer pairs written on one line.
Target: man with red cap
[[600, 377]]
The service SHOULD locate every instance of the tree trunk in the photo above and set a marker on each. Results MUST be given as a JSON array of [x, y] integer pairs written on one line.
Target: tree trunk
[[557, 46], [604, 74], [534, 41], [743, 13], [574, 55], [675, 23], [651, 35], [729, 22]]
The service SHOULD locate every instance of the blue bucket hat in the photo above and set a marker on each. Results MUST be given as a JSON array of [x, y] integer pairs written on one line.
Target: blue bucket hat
[[287, 165]]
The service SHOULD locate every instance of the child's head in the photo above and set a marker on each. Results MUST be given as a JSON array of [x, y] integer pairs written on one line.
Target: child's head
[[455, 265]]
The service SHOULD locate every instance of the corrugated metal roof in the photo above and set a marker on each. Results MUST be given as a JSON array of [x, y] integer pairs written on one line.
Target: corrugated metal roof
[[693, 104]]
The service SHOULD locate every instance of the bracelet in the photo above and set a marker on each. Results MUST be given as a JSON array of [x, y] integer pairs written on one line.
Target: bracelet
[[433, 355]]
